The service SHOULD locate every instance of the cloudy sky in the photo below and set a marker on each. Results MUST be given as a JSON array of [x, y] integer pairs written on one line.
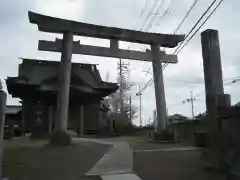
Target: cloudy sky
[[19, 38]]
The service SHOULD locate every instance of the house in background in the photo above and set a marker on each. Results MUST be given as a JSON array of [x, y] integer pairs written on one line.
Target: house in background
[[176, 118], [37, 86], [185, 129], [13, 121]]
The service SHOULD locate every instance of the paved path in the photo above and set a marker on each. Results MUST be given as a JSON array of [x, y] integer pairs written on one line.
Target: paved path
[[118, 160], [120, 177], [116, 164]]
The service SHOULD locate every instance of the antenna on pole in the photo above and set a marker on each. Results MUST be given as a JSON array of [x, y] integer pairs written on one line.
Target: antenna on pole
[[191, 100], [107, 76], [122, 79]]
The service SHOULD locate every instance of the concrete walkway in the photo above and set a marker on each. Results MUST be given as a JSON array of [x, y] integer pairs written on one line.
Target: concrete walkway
[[118, 160], [116, 164]]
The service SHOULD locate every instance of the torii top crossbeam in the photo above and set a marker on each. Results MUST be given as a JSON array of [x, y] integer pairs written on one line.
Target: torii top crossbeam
[[57, 25]]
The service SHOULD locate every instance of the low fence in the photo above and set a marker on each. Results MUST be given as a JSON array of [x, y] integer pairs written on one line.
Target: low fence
[[185, 131], [230, 127]]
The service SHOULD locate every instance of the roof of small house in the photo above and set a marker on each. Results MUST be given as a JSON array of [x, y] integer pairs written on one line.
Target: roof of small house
[[13, 109], [43, 76]]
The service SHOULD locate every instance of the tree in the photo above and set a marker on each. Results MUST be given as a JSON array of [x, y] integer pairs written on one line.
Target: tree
[[130, 110], [114, 102], [119, 102]]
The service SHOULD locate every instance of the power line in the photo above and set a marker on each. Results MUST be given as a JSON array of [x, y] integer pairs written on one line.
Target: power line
[[195, 25], [200, 26], [149, 14], [177, 80], [209, 7], [237, 77], [185, 81], [154, 17], [146, 19], [166, 13], [232, 82], [150, 22], [145, 7], [146, 85], [169, 10], [226, 84], [185, 17], [183, 20]]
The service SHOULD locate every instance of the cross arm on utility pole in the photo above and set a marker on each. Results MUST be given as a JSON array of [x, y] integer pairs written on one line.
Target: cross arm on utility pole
[[113, 51]]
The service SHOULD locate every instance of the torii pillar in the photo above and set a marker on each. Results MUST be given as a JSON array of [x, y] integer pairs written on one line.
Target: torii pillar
[[67, 47], [161, 109], [60, 136]]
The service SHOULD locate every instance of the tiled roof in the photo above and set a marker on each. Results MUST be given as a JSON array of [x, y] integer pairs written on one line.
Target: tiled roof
[[13, 109]]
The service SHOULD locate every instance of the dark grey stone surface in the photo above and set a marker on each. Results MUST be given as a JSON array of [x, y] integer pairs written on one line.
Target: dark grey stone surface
[[3, 97], [57, 25]]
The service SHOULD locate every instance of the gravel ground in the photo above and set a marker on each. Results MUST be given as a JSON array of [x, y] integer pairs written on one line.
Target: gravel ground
[[51, 163], [171, 165]]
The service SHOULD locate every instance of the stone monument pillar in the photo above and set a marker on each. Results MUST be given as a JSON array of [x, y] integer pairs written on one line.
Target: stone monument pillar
[[215, 96]]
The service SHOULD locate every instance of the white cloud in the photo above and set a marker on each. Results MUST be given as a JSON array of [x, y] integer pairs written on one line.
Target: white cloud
[[68, 9], [19, 39]]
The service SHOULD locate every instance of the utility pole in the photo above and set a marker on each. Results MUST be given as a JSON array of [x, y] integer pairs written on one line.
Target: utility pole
[[130, 108], [155, 119], [192, 99], [121, 85], [140, 108], [123, 76], [81, 121]]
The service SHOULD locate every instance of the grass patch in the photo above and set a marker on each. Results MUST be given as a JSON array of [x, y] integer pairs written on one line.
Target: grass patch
[[50, 163]]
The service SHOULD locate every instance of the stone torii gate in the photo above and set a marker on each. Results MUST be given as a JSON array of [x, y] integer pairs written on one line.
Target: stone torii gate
[[67, 46]]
